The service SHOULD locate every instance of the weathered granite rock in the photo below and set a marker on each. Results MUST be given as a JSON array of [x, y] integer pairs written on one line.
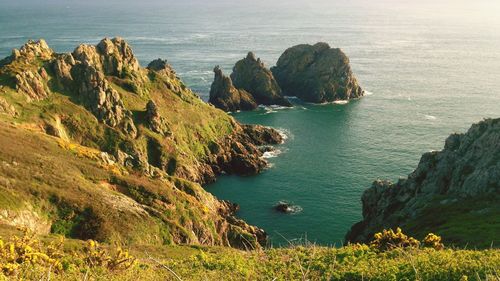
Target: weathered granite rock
[[468, 167], [33, 84], [33, 49], [316, 73], [114, 57], [154, 120], [62, 69], [225, 96], [251, 75], [101, 99]]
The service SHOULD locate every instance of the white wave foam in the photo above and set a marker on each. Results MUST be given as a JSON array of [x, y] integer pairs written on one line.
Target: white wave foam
[[284, 133], [367, 93], [341, 102], [271, 154], [430, 117]]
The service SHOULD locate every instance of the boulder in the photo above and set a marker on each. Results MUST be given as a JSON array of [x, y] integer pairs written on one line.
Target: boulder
[[316, 73], [225, 96], [251, 75]]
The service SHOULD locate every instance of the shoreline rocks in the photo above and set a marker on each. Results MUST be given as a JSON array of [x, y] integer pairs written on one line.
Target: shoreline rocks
[[316, 73]]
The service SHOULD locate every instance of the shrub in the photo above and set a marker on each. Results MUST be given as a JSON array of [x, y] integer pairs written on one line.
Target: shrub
[[388, 240], [433, 241]]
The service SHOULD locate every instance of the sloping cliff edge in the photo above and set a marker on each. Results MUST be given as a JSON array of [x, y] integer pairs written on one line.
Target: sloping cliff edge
[[454, 192]]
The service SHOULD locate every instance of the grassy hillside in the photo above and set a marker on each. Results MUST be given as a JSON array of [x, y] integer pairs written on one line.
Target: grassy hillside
[[77, 260]]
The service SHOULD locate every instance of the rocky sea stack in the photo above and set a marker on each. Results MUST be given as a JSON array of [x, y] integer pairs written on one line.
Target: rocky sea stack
[[249, 85], [316, 73], [225, 96], [450, 191], [122, 149]]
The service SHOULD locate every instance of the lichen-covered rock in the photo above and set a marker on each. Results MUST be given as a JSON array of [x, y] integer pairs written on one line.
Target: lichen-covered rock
[[33, 84], [316, 73], [468, 167], [251, 75], [154, 120], [225, 96]]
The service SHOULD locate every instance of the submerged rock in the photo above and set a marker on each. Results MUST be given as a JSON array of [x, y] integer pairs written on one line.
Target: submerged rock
[[467, 169], [316, 73], [225, 96], [251, 75], [283, 207]]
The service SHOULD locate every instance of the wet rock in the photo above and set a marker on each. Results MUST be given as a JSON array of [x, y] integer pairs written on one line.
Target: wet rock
[[225, 96], [283, 207], [251, 75], [316, 73]]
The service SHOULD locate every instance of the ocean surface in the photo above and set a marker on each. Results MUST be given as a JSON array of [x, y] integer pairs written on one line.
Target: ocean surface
[[431, 68]]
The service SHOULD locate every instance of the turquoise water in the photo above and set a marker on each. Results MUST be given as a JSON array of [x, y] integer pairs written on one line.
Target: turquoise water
[[432, 67]]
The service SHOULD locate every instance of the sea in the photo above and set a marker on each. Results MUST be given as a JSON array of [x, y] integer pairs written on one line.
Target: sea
[[429, 69]]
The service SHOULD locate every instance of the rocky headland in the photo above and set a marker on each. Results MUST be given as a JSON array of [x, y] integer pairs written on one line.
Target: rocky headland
[[136, 140], [453, 192]]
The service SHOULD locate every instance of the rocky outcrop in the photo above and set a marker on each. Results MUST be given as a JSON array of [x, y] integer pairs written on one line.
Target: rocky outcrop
[[114, 57], [316, 73], [251, 75], [33, 84], [101, 99], [154, 120], [225, 96], [467, 168], [32, 50], [62, 69]]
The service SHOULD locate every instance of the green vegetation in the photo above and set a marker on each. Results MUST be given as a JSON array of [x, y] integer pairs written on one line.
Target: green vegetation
[[78, 260]]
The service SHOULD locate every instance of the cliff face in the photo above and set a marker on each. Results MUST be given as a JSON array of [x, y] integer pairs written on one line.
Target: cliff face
[[143, 121], [454, 191], [225, 96], [316, 73]]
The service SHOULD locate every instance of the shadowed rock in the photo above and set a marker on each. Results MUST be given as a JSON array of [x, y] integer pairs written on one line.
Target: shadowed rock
[[225, 96], [251, 75]]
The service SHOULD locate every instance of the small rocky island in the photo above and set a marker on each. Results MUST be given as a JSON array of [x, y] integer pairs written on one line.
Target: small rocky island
[[249, 85], [316, 73]]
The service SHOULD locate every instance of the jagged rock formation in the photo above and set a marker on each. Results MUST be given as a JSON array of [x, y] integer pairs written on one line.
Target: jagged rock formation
[[121, 118], [316, 73], [225, 96], [251, 75], [465, 173], [33, 84]]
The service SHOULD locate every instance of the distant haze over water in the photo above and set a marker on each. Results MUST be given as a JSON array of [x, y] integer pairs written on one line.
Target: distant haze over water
[[433, 68]]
